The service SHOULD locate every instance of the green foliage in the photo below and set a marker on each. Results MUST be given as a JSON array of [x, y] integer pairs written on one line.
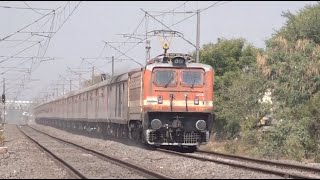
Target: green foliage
[[306, 24], [295, 69], [237, 87], [290, 67], [228, 55], [288, 140]]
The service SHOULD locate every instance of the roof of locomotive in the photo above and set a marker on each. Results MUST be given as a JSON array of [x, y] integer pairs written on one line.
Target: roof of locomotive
[[189, 62], [188, 65]]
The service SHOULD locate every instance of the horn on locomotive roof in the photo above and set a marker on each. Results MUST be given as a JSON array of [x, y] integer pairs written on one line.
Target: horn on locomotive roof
[[165, 57]]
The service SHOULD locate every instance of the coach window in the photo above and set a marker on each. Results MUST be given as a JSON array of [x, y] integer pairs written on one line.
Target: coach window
[[192, 77], [164, 77]]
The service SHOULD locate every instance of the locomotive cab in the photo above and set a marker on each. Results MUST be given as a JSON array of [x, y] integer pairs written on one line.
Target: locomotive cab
[[178, 96]]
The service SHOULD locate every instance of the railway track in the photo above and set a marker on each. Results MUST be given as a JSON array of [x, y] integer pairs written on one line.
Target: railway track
[[130, 166], [71, 170], [258, 165]]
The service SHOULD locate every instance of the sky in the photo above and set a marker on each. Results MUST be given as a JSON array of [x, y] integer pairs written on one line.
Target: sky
[[82, 35]]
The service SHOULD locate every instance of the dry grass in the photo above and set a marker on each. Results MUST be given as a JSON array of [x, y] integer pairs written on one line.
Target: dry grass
[[1, 138], [301, 45], [227, 147], [262, 64], [283, 43], [1, 135], [214, 146]]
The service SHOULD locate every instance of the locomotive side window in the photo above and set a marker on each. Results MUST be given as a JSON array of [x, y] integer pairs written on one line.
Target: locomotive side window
[[164, 77], [192, 77]]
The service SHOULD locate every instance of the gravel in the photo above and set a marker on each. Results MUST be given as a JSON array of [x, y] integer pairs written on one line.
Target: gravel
[[170, 165], [89, 165], [26, 161]]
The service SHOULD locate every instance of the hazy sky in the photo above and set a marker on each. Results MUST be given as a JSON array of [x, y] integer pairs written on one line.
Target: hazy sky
[[83, 33]]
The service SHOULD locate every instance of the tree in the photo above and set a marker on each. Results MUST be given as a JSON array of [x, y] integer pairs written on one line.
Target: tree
[[291, 63], [304, 25], [237, 86]]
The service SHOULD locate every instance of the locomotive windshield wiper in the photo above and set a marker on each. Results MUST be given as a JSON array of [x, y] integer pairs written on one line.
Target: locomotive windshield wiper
[[194, 80], [168, 82]]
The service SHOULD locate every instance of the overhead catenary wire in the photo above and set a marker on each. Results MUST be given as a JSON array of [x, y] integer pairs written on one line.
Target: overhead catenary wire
[[31, 68], [8, 58], [168, 27], [124, 54], [46, 44], [16, 66], [136, 29], [27, 26], [92, 64], [66, 19], [28, 38], [14, 7], [23, 41], [171, 11], [201, 10], [50, 36], [33, 9]]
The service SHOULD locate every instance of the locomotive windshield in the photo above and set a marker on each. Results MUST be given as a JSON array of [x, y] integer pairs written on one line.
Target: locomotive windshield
[[164, 77], [192, 77]]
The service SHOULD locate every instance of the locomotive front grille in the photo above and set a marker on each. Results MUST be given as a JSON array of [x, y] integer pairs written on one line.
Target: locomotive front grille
[[186, 138]]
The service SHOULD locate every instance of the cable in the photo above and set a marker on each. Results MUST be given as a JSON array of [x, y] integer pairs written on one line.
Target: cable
[[19, 52], [59, 26], [26, 40], [169, 28], [130, 37], [92, 64], [32, 8], [66, 19], [173, 9], [214, 4], [16, 66], [11, 7], [26, 26], [123, 54], [183, 20]]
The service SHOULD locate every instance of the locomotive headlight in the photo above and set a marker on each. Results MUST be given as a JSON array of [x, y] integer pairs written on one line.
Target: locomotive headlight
[[196, 100], [156, 124], [160, 99], [201, 125]]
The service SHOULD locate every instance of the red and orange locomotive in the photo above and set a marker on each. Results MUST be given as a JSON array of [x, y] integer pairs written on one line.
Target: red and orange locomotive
[[177, 101]]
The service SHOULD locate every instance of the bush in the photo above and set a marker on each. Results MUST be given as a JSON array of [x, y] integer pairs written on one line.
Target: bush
[[293, 149], [231, 147]]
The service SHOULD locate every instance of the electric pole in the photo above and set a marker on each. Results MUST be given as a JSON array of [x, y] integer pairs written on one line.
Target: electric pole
[[4, 101], [92, 75], [112, 66], [79, 81], [198, 37], [148, 47], [147, 41]]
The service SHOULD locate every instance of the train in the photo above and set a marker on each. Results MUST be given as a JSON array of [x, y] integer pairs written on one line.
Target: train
[[167, 102]]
